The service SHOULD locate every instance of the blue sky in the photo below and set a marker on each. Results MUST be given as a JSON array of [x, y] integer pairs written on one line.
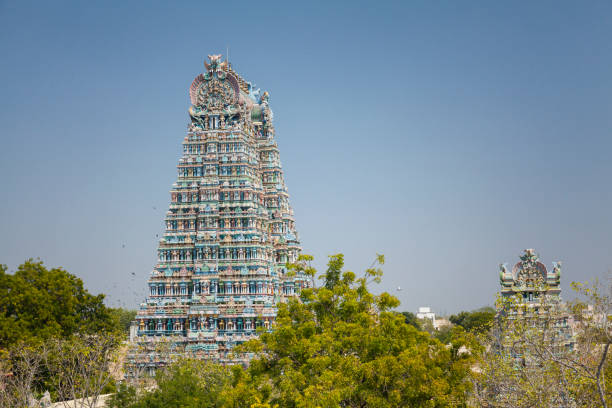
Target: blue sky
[[447, 135]]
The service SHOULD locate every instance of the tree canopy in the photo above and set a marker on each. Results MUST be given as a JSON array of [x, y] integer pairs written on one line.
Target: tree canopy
[[341, 345], [122, 318], [478, 321], [411, 319], [41, 303], [186, 384]]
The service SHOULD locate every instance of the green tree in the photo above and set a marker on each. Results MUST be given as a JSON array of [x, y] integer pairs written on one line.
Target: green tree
[[40, 303], [20, 370], [444, 334], [341, 346], [77, 368], [80, 367], [122, 318], [477, 321], [186, 383], [125, 396], [411, 319]]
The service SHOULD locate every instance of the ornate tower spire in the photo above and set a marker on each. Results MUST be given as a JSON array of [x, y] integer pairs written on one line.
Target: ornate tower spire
[[229, 227], [532, 294], [530, 275]]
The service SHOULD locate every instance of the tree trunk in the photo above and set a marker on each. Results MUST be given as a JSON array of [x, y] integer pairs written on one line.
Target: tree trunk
[[600, 386]]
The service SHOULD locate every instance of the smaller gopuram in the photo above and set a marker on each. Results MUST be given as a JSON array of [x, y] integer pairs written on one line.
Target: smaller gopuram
[[531, 293], [530, 278]]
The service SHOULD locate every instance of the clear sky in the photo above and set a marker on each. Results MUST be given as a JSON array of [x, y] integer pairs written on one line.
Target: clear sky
[[447, 135]]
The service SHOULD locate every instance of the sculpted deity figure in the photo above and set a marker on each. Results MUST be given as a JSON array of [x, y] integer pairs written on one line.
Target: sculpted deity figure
[[215, 63], [199, 117], [557, 269], [503, 270]]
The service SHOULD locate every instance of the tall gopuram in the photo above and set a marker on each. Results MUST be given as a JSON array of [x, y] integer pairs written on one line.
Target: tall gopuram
[[230, 231], [532, 293]]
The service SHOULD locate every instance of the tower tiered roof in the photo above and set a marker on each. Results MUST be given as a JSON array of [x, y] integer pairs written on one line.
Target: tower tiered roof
[[230, 230]]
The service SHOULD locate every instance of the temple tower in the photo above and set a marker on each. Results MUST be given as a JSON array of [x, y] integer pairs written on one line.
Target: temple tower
[[529, 278], [230, 230], [531, 295]]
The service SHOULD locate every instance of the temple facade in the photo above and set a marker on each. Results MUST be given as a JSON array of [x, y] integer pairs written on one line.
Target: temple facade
[[532, 293], [529, 278], [221, 264]]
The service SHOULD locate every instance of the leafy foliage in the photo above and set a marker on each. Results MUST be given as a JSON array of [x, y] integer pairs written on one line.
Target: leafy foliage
[[40, 303], [411, 319], [76, 368], [122, 318], [80, 366], [478, 321], [125, 396], [186, 384], [444, 334], [340, 345], [24, 363]]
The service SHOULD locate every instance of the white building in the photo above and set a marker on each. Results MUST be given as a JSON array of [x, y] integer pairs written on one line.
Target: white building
[[425, 312]]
